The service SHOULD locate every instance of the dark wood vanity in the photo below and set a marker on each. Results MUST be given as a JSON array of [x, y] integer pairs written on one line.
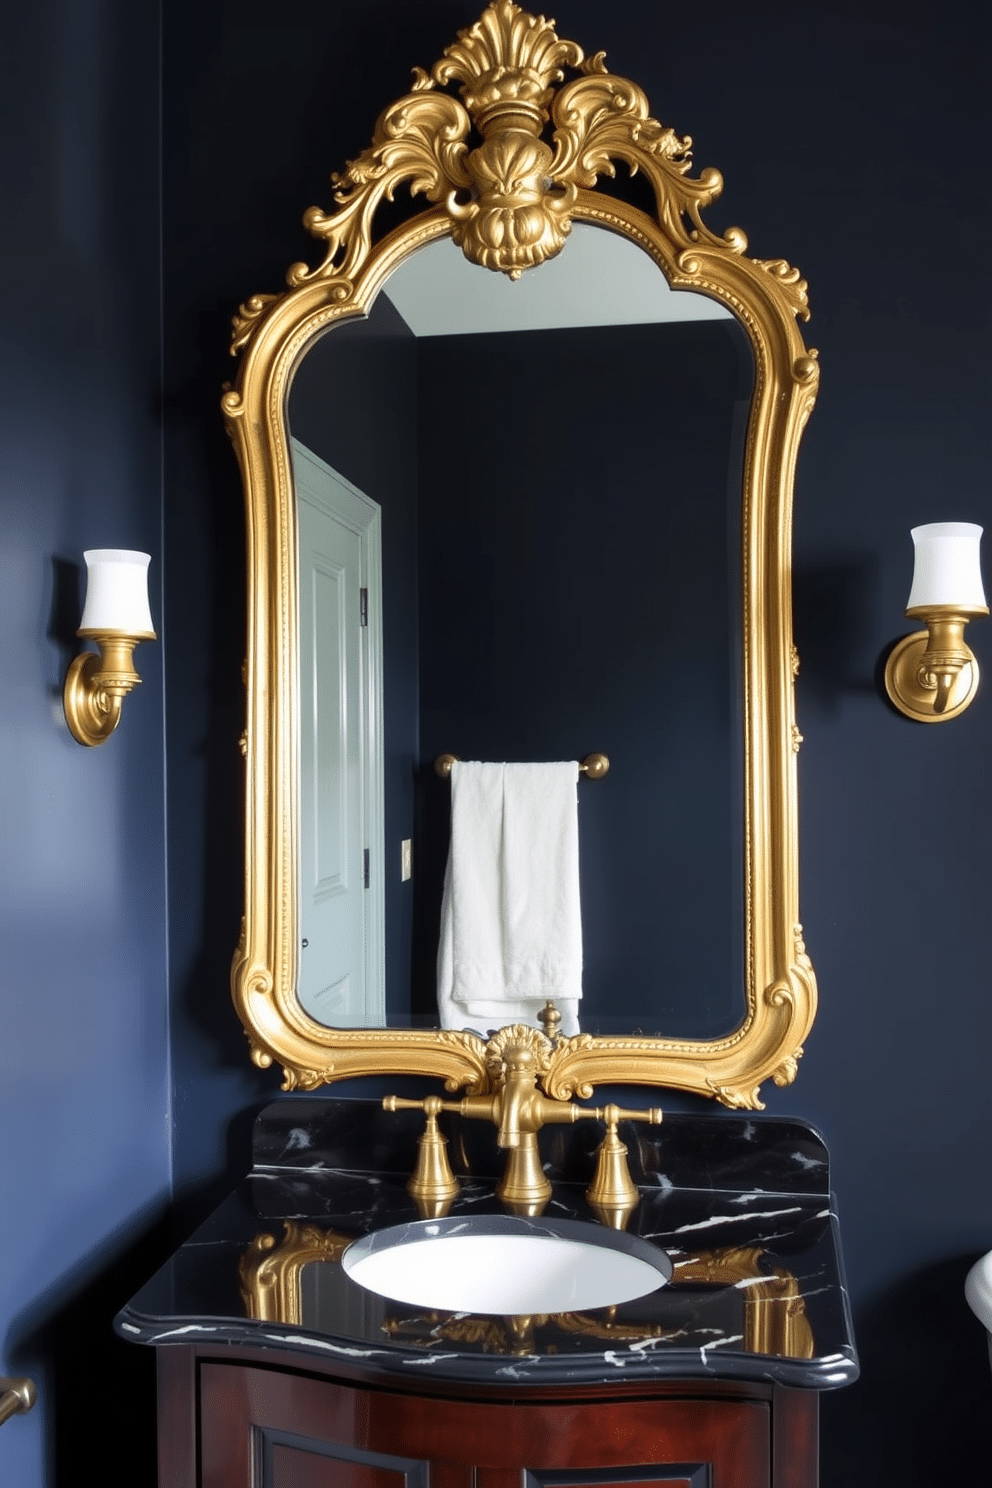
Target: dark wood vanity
[[266, 1418], [276, 1369]]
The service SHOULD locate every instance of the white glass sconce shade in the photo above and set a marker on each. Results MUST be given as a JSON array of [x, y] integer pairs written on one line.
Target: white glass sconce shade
[[948, 566], [116, 616], [932, 675], [117, 593]]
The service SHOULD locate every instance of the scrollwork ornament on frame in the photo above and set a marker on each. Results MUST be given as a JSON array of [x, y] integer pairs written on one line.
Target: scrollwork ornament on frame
[[505, 140]]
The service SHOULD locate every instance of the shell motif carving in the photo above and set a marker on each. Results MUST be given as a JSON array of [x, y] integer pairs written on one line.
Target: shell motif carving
[[518, 214], [510, 197], [513, 222], [516, 1035]]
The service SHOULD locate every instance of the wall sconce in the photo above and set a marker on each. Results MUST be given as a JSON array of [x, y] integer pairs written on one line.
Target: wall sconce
[[932, 675], [117, 617]]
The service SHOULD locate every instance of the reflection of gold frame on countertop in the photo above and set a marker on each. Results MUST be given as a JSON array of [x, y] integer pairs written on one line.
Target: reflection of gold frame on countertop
[[510, 67], [269, 1270], [775, 1321]]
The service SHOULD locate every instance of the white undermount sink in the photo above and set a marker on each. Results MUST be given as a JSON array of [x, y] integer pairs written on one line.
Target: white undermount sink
[[505, 1265]]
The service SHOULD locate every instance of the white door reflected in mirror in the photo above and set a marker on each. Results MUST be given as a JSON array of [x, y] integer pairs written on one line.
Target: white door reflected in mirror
[[342, 975]]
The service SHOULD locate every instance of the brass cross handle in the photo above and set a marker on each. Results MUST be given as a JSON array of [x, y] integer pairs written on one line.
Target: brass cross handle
[[432, 1182], [612, 1187]]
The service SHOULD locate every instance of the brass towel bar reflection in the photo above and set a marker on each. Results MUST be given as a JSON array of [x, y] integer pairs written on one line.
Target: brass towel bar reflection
[[593, 767]]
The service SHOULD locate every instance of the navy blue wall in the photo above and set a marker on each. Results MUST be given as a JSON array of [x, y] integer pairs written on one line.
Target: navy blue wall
[[84, 1090], [594, 526], [855, 140]]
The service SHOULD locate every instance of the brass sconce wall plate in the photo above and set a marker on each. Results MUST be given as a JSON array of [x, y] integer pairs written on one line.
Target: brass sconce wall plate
[[932, 675], [505, 169], [97, 683]]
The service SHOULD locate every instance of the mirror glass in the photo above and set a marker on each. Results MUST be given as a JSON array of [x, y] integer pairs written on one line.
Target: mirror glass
[[519, 525]]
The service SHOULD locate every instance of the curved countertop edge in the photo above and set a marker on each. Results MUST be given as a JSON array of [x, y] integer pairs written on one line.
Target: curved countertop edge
[[637, 1363], [760, 1183]]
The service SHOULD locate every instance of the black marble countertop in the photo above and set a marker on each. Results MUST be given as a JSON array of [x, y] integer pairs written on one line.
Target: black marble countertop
[[742, 1205]]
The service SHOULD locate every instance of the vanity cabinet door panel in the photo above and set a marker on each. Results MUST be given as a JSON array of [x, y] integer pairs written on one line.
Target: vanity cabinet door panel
[[650, 1444], [671, 1442], [676, 1475], [264, 1428]]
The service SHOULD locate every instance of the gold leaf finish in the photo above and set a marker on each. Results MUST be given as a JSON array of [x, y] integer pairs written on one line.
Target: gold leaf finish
[[509, 201]]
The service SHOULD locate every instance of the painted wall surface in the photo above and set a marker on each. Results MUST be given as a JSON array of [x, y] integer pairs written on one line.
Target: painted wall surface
[[84, 1099], [855, 141]]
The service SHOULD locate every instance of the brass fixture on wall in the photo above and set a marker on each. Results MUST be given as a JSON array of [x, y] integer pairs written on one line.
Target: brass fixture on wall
[[116, 616], [593, 767], [17, 1395], [932, 675], [562, 121]]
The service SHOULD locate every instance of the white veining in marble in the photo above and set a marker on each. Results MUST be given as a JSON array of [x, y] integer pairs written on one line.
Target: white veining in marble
[[190, 1328], [706, 1349], [299, 1140], [335, 1348], [719, 1219]]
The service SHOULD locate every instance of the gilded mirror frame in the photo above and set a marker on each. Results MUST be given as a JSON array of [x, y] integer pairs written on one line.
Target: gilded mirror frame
[[509, 201]]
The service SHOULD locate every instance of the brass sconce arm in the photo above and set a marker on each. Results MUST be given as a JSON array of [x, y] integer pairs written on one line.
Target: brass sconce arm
[[97, 683], [932, 675]]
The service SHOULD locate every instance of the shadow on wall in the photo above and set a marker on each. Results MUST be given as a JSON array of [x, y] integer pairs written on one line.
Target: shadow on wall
[[98, 1391], [67, 607], [834, 605], [216, 1089], [922, 1410]]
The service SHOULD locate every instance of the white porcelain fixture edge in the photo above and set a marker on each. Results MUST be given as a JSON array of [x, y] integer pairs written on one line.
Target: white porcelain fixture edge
[[506, 1266]]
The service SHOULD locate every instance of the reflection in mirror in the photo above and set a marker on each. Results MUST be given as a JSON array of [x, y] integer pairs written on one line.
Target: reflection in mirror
[[556, 467]]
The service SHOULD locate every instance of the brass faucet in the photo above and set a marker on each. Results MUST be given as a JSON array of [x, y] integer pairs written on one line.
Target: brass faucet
[[433, 1184], [518, 1110]]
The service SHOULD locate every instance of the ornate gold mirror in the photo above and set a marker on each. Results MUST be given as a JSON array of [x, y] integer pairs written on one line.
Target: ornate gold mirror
[[506, 147]]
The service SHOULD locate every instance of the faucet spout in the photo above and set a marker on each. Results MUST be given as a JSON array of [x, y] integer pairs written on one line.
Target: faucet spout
[[517, 1099], [516, 1108]]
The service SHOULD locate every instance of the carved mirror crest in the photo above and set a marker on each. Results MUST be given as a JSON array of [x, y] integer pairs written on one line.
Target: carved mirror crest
[[507, 142]]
